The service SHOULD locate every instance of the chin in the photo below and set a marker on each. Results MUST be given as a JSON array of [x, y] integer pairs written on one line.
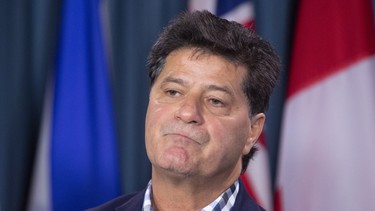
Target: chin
[[176, 170], [178, 173]]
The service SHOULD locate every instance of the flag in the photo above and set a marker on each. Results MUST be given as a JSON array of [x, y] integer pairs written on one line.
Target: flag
[[327, 155], [241, 11], [257, 178], [79, 167]]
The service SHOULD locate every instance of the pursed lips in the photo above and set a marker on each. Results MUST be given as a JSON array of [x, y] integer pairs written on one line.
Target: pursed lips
[[183, 136]]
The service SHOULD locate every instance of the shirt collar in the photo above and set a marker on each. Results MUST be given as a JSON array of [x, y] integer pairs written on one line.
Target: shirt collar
[[224, 202]]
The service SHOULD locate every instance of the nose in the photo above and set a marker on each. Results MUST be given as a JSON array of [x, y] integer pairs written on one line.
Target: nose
[[190, 111]]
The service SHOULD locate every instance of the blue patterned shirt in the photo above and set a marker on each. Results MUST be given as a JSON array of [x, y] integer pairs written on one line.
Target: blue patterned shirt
[[224, 202]]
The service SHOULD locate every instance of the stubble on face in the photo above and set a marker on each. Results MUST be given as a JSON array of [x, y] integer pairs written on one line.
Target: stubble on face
[[175, 145], [183, 149]]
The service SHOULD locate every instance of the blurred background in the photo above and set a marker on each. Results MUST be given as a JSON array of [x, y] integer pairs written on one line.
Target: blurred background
[[74, 92]]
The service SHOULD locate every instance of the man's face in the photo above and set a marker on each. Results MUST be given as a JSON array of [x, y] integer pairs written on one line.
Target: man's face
[[197, 121]]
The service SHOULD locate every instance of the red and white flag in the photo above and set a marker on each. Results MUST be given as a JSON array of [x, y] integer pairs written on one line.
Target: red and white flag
[[257, 177], [327, 155]]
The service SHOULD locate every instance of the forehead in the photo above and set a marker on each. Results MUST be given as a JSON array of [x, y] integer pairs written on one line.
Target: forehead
[[203, 64]]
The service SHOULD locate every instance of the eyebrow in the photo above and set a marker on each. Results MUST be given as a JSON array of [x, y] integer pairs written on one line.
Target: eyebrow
[[171, 79], [211, 87], [224, 89]]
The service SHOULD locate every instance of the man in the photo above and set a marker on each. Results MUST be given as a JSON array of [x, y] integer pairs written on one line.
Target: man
[[211, 80]]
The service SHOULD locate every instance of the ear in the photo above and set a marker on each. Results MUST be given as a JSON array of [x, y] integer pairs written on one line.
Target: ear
[[256, 128]]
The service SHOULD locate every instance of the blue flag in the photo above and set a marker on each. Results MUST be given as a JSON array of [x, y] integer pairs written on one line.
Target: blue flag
[[84, 162]]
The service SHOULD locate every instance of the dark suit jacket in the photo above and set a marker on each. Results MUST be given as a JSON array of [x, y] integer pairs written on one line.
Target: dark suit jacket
[[134, 202]]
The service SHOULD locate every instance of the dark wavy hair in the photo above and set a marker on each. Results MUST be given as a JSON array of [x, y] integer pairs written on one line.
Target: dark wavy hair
[[208, 33]]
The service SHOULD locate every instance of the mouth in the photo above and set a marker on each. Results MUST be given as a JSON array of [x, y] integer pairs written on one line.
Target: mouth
[[182, 137], [184, 134]]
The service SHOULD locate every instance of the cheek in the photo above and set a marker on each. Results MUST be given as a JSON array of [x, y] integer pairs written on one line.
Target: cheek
[[231, 134], [151, 134], [155, 116]]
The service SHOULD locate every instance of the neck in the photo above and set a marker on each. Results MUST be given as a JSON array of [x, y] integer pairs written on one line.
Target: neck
[[187, 192]]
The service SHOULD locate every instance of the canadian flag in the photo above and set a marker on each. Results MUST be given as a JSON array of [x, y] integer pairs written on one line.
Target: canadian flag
[[327, 155], [257, 177]]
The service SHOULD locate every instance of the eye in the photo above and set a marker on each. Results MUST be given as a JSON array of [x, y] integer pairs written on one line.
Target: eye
[[172, 92], [216, 102]]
